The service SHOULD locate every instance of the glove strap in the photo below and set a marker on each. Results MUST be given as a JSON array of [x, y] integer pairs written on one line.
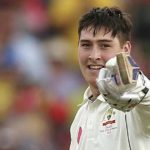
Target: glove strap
[[145, 90]]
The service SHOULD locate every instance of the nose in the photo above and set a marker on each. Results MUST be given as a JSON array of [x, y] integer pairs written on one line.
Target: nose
[[95, 54]]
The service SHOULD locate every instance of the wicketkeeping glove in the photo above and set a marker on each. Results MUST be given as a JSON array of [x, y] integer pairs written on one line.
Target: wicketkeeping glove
[[117, 93]]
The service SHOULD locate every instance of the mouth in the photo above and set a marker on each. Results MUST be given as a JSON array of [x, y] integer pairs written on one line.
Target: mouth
[[95, 67]]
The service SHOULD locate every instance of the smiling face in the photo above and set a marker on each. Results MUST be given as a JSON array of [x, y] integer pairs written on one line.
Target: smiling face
[[95, 50]]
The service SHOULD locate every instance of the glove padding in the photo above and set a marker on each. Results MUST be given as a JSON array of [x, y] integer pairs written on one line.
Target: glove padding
[[121, 96]]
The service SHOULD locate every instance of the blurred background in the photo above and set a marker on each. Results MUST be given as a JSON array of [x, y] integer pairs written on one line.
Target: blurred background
[[40, 81]]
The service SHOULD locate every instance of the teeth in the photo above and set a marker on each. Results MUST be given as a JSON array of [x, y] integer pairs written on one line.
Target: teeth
[[95, 67]]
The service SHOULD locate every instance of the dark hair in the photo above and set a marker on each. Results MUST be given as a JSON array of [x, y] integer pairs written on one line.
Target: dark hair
[[112, 19]]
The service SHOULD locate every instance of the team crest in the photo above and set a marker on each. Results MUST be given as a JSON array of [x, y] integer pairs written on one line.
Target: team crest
[[108, 122]]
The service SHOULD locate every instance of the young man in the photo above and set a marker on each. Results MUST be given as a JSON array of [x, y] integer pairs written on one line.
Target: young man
[[113, 115]]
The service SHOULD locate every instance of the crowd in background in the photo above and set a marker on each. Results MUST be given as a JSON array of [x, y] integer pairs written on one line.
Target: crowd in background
[[40, 81]]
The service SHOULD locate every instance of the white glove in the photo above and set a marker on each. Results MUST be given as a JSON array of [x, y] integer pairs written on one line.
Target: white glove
[[118, 95]]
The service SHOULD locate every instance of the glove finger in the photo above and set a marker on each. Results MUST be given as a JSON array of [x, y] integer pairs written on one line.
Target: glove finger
[[114, 100], [113, 67], [101, 86], [130, 97], [102, 74], [100, 80], [103, 80], [105, 89]]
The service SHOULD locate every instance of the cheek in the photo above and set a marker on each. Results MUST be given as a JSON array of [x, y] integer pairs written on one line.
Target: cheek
[[82, 57], [109, 56]]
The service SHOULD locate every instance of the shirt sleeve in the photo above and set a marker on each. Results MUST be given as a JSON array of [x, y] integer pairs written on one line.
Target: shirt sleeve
[[143, 109]]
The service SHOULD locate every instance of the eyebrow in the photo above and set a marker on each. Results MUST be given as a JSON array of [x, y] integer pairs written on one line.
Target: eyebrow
[[103, 40]]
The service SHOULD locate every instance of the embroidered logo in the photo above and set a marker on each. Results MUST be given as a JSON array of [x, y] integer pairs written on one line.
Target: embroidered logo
[[79, 134], [108, 122], [108, 117]]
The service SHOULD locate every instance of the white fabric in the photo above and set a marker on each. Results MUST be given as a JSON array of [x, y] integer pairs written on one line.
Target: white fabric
[[101, 127]]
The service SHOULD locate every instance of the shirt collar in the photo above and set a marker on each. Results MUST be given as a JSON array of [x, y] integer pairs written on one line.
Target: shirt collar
[[88, 94]]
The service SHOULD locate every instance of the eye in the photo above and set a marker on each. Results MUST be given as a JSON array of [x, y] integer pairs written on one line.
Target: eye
[[104, 46], [85, 45]]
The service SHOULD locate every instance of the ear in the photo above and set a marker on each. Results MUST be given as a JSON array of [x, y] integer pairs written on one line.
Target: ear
[[127, 47]]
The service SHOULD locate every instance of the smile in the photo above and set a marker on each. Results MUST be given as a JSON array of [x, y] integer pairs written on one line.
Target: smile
[[95, 67]]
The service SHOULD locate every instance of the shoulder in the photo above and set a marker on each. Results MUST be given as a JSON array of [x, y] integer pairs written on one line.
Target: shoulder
[[79, 115], [81, 111]]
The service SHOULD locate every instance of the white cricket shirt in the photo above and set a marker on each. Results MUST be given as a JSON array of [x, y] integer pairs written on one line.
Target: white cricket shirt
[[99, 127]]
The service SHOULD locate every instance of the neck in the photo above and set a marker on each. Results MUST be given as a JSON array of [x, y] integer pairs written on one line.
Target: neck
[[95, 92]]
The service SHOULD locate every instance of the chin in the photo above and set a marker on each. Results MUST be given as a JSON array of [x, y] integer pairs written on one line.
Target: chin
[[92, 83]]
